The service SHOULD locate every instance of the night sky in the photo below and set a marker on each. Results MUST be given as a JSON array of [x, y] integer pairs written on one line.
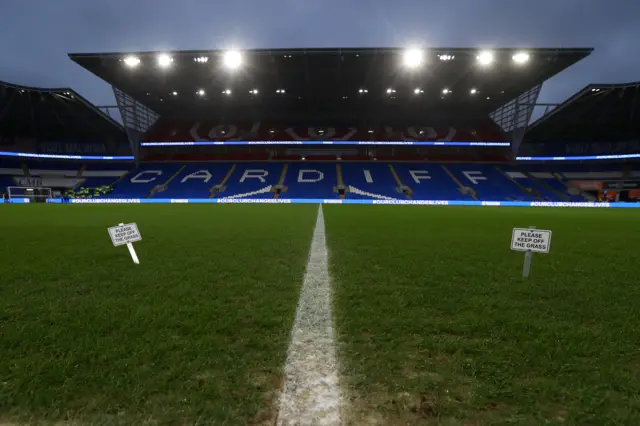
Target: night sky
[[37, 34]]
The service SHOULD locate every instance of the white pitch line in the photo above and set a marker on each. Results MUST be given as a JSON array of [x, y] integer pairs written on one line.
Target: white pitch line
[[311, 394]]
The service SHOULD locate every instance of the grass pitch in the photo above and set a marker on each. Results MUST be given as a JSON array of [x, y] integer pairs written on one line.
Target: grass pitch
[[437, 325], [195, 334]]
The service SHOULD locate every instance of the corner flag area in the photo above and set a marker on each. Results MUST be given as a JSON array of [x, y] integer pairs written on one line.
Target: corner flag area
[[432, 320]]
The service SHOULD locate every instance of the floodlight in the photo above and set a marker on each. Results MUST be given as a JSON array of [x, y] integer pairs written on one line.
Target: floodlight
[[174, 93], [485, 57], [200, 92], [254, 91], [446, 57], [226, 92], [521, 58], [132, 61], [413, 58], [445, 91], [232, 59], [164, 60], [201, 59], [281, 91], [473, 91], [417, 91], [390, 90]]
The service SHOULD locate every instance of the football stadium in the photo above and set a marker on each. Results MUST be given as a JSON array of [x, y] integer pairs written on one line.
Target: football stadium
[[320, 237]]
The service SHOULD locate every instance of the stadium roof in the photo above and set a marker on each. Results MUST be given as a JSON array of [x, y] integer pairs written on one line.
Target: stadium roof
[[460, 80], [599, 112], [53, 115]]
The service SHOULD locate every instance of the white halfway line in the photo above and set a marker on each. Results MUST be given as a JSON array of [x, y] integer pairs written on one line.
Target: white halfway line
[[311, 394]]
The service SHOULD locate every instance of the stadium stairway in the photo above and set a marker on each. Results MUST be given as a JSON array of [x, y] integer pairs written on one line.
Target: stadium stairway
[[139, 182], [527, 192], [546, 190], [401, 187], [163, 187], [251, 178], [463, 189], [222, 185], [487, 182], [368, 178], [342, 194], [281, 187]]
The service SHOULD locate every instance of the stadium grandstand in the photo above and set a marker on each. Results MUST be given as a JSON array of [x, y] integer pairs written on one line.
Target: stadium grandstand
[[50, 141], [390, 125]]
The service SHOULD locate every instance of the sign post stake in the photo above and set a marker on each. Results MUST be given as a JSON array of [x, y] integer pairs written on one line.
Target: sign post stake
[[132, 251], [528, 256]]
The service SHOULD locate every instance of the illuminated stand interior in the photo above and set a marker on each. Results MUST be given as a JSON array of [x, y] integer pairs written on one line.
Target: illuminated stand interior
[[130, 158]]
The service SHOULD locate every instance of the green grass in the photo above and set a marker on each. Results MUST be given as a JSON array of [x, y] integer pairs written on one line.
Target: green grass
[[195, 334], [437, 325]]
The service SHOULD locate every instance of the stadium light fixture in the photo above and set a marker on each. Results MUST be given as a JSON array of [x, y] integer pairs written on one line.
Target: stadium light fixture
[[521, 58], [132, 61], [417, 91], [281, 91], [361, 91], [174, 93], [446, 57], [200, 92], [226, 92], [391, 91], [473, 91], [485, 57], [232, 59], [201, 59], [446, 91], [413, 58], [253, 91], [164, 60]]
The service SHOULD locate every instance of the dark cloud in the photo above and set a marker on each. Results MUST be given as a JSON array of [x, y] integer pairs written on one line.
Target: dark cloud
[[37, 34]]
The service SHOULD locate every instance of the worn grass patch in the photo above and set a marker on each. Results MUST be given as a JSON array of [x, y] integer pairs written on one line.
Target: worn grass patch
[[437, 326], [195, 334]]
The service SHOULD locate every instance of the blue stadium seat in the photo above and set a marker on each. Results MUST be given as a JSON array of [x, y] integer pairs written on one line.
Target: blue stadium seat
[[311, 180], [373, 177]]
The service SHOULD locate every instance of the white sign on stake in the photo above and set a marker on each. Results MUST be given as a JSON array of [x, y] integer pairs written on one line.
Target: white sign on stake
[[530, 240], [126, 234]]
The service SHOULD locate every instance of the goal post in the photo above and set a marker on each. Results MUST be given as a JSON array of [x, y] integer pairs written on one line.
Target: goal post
[[34, 194]]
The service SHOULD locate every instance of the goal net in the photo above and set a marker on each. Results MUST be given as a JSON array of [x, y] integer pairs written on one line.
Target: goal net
[[34, 194]]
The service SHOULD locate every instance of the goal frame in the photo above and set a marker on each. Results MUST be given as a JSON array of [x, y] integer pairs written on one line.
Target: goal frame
[[38, 194]]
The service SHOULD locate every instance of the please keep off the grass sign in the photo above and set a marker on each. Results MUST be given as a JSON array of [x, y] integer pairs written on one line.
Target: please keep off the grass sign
[[530, 240], [123, 234], [126, 234]]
